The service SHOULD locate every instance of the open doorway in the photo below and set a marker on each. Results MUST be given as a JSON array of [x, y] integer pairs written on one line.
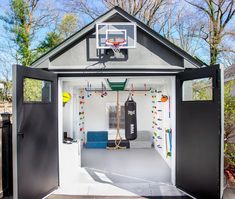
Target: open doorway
[[89, 164]]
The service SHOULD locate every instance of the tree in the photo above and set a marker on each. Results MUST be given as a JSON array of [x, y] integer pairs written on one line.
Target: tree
[[21, 18], [229, 123], [85, 7], [68, 25], [180, 27], [5, 71], [51, 40], [23, 21], [216, 27], [145, 10]]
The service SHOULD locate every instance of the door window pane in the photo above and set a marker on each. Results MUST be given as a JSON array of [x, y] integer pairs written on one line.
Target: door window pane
[[198, 90], [35, 90]]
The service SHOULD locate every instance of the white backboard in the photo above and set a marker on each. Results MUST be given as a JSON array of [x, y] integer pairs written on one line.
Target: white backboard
[[119, 30]]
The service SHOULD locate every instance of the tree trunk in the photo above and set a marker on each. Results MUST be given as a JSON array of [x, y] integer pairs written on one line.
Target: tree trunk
[[213, 55]]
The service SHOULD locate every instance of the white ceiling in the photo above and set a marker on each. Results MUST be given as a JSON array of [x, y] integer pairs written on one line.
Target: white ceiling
[[138, 82]]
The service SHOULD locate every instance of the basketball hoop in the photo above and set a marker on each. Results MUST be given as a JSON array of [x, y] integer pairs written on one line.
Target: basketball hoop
[[115, 43]]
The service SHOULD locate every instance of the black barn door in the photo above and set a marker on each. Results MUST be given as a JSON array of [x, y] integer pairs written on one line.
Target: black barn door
[[35, 131], [198, 137]]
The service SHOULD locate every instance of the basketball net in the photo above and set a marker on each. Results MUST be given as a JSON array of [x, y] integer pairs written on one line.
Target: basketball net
[[115, 44]]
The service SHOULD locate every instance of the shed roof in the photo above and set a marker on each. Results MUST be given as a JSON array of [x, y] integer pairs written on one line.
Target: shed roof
[[117, 10], [229, 73]]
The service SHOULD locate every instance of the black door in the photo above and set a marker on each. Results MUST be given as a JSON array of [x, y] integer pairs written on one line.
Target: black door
[[198, 137], [36, 168]]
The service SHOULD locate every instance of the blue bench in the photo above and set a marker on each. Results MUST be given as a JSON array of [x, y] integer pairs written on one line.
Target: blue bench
[[97, 139]]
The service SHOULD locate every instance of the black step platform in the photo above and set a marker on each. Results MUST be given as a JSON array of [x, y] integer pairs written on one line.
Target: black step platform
[[124, 143]]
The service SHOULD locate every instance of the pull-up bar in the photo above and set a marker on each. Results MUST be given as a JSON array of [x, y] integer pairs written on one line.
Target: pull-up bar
[[100, 90]]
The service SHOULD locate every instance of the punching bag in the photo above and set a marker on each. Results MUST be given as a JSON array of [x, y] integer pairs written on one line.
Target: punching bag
[[130, 119]]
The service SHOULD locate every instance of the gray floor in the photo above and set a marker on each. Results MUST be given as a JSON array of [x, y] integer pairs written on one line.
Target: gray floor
[[229, 193], [129, 165], [140, 171]]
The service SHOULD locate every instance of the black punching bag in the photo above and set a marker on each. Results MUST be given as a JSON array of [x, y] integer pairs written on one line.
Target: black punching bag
[[130, 119]]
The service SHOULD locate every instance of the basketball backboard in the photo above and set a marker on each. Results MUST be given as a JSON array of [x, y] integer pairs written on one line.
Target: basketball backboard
[[122, 32]]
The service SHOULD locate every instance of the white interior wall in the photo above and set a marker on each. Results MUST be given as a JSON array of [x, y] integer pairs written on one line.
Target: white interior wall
[[96, 111], [161, 141], [68, 112]]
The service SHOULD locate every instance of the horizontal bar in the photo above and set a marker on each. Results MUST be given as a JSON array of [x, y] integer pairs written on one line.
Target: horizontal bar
[[100, 90]]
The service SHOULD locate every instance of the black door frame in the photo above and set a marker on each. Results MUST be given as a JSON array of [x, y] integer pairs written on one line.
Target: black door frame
[[17, 71], [218, 82]]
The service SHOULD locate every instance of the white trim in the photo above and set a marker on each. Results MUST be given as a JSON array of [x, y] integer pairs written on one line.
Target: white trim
[[14, 133], [186, 193], [173, 123], [222, 134], [60, 124], [173, 117], [126, 67], [45, 197], [137, 72]]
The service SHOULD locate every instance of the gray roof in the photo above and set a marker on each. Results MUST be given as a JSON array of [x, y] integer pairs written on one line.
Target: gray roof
[[117, 10], [229, 73]]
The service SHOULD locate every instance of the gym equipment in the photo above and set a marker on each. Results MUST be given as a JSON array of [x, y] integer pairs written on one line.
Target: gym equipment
[[82, 114], [88, 90], [166, 145], [169, 150], [66, 97], [115, 43], [132, 89], [103, 90], [170, 139], [145, 88], [124, 143], [169, 106], [122, 35], [117, 86], [164, 98], [97, 139], [130, 119]]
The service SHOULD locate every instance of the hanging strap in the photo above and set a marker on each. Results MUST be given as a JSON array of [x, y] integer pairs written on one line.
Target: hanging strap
[[130, 98]]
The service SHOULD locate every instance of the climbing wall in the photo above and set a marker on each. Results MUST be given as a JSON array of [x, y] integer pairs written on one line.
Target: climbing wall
[[81, 115], [161, 122]]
